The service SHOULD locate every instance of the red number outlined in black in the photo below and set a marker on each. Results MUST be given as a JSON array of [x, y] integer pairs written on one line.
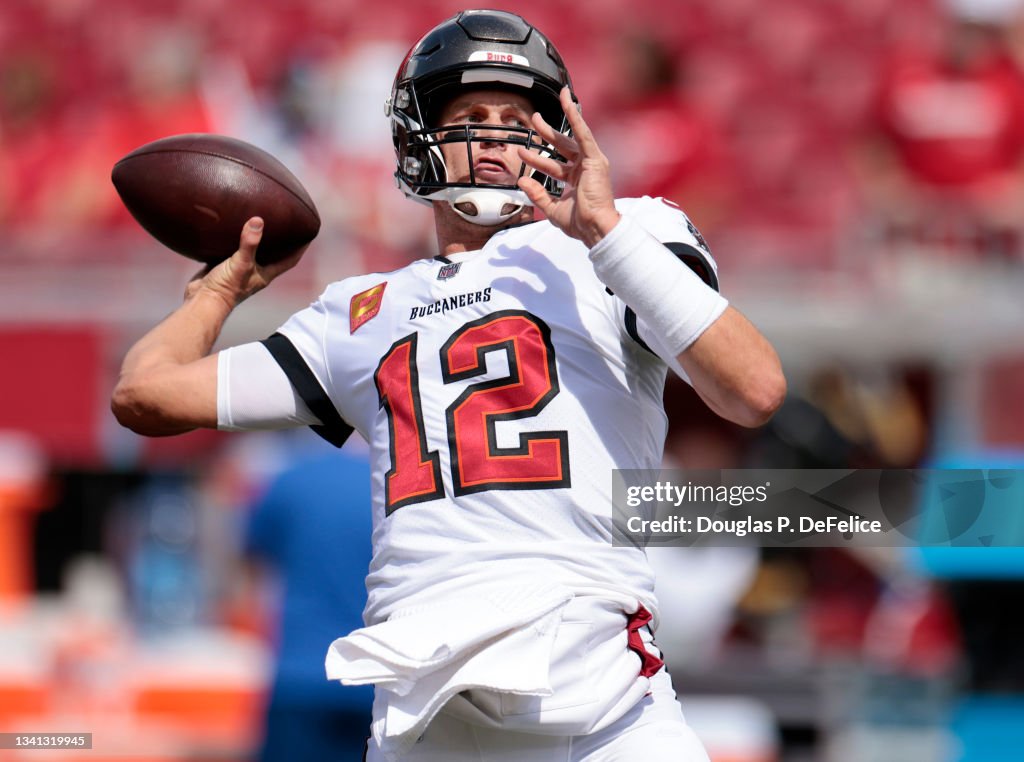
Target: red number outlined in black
[[541, 460], [415, 474]]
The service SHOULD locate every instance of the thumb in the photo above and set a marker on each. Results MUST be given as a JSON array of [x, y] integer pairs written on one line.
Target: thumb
[[250, 239]]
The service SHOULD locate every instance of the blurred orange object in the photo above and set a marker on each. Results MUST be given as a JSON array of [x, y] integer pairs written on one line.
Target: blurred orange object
[[19, 699], [211, 712], [22, 491], [209, 686]]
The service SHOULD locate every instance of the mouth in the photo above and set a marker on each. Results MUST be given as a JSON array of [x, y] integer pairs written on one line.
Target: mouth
[[489, 169]]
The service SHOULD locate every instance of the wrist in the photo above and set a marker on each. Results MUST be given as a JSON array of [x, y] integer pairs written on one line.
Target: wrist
[[206, 296], [602, 225]]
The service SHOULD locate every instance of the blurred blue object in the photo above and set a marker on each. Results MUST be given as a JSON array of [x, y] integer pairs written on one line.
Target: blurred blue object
[[1000, 521], [164, 577], [989, 729], [984, 585], [312, 526]]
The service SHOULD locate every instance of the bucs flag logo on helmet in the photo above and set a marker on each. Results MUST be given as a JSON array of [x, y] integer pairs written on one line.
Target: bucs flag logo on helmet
[[365, 305]]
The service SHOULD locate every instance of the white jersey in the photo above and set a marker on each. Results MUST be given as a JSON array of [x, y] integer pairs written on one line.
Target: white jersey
[[498, 390]]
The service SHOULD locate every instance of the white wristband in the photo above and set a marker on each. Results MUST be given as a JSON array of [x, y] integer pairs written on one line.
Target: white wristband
[[667, 295]]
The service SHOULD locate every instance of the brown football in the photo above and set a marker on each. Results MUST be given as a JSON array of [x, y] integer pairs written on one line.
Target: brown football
[[194, 192]]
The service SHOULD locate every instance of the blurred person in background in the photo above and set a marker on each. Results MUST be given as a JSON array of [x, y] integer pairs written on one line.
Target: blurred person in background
[[658, 141], [498, 385], [75, 112], [29, 103], [942, 166], [308, 538]]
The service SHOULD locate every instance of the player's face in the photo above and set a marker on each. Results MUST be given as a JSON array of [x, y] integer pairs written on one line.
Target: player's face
[[493, 162]]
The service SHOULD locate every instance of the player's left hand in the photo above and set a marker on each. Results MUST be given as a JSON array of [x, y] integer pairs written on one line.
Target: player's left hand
[[586, 208]]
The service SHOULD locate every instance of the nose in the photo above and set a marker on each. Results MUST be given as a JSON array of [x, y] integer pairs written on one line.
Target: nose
[[491, 138]]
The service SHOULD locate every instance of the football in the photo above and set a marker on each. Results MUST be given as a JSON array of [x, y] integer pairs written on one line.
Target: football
[[194, 192]]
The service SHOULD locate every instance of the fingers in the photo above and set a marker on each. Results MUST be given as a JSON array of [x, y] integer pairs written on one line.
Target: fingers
[[534, 191], [581, 132], [581, 143], [562, 143], [548, 166]]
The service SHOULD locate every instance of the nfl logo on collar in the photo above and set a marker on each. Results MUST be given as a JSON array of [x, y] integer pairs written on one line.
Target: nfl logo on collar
[[449, 270]]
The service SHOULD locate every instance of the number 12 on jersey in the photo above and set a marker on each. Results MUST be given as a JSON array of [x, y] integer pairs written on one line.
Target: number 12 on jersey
[[541, 459]]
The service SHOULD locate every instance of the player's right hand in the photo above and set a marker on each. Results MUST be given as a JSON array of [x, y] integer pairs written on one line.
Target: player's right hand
[[586, 209], [239, 276]]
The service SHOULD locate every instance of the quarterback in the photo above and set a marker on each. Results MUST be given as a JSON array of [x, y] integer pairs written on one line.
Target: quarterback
[[498, 385]]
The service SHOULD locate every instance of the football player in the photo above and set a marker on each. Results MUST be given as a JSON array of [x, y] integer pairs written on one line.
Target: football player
[[498, 384]]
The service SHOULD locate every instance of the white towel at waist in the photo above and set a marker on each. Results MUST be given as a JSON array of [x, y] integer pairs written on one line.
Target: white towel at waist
[[498, 639], [532, 657]]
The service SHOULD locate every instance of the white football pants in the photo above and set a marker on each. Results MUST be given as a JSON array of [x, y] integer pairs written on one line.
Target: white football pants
[[654, 730]]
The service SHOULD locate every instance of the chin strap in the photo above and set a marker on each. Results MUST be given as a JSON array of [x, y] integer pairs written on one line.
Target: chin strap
[[486, 207]]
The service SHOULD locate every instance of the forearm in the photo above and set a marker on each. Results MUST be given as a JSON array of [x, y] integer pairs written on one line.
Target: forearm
[[735, 370], [168, 381], [186, 335]]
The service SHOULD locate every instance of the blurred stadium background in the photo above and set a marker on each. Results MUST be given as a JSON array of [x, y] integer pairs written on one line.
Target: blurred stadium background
[[856, 168]]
